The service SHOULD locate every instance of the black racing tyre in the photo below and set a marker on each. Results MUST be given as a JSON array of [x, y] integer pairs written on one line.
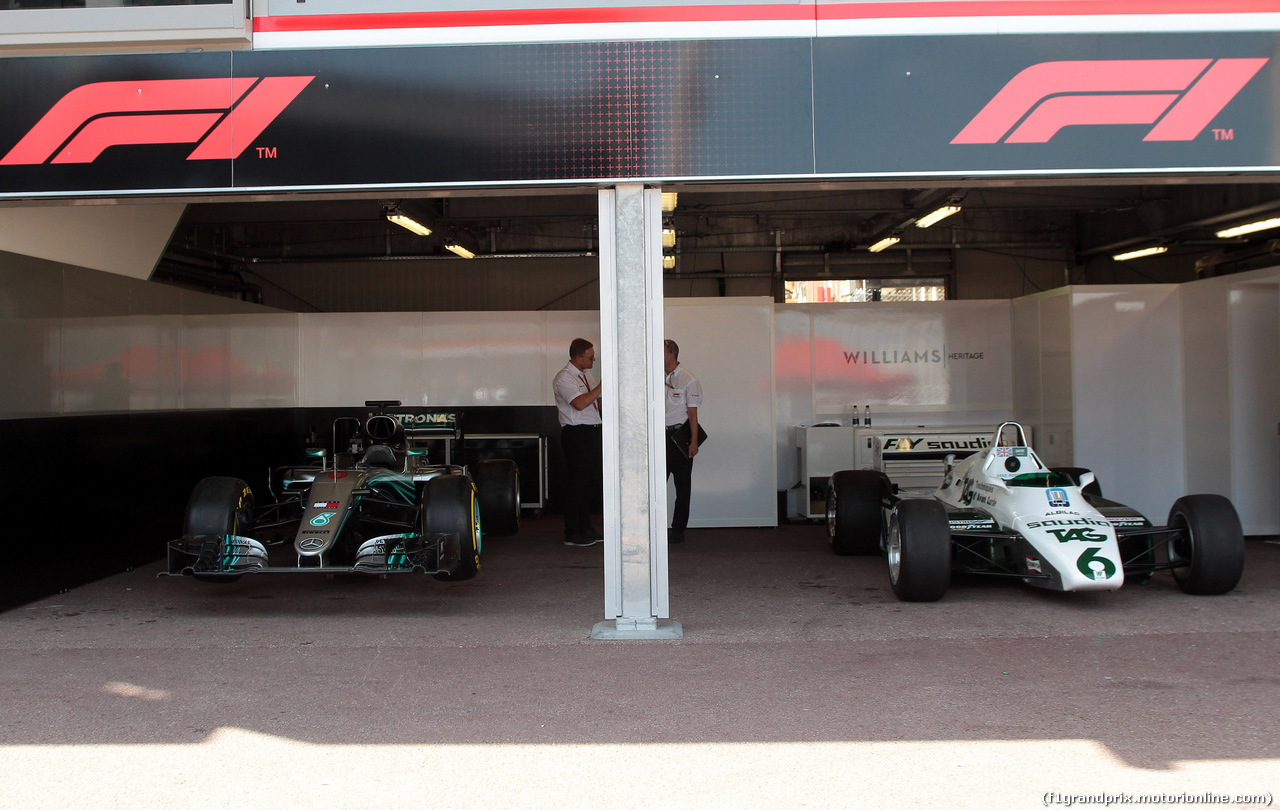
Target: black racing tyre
[[1074, 474], [449, 505], [498, 492], [918, 544], [219, 505], [853, 512], [1210, 548]]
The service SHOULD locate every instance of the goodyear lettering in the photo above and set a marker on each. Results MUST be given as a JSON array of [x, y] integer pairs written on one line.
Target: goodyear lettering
[[1128, 521]]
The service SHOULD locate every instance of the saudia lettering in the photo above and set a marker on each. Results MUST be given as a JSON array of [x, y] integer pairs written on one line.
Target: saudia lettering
[[1180, 97], [907, 443], [221, 116], [1074, 522]]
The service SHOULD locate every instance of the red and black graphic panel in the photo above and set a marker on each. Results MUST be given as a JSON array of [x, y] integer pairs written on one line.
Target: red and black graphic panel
[[1013, 104], [405, 115], [535, 112], [86, 123]]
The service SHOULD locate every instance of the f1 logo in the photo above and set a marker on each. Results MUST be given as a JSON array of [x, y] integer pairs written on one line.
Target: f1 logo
[[222, 116], [1179, 96]]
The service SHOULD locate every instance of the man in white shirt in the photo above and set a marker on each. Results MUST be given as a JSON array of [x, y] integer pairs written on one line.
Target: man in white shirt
[[683, 395], [578, 407]]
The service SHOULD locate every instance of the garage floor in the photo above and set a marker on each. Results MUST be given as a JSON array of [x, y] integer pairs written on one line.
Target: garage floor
[[801, 682]]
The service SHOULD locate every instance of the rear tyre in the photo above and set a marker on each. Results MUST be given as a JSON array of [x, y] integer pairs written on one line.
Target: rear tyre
[[498, 492], [918, 544], [853, 512], [1210, 547], [1074, 474], [219, 505], [449, 505]]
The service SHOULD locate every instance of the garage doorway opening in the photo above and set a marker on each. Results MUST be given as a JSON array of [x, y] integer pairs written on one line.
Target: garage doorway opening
[[860, 290]]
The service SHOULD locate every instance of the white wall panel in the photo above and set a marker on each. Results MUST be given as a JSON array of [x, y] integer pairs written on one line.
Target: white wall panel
[[1207, 380], [793, 372], [1254, 361], [1127, 386], [937, 363], [262, 360], [1056, 388], [122, 239], [348, 358], [728, 344], [1028, 404]]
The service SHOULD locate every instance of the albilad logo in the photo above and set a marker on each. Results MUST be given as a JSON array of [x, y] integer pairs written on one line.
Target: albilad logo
[[221, 116], [1179, 97]]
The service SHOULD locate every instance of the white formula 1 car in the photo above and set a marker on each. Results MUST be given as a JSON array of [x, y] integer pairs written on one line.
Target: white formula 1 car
[[1002, 512]]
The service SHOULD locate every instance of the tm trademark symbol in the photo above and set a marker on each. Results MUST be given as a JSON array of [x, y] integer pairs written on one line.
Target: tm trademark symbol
[[270, 151], [1218, 135]]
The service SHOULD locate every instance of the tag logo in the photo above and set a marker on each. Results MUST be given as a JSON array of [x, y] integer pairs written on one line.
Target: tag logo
[[221, 116], [1080, 535], [1179, 96]]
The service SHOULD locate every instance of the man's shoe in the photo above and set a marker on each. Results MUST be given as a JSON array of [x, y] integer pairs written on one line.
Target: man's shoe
[[592, 534], [674, 536], [579, 540]]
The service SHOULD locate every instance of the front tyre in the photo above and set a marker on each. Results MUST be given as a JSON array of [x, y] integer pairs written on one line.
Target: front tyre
[[1209, 551], [498, 492], [221, 506], [853, 512], [918, 545], [449, 505]]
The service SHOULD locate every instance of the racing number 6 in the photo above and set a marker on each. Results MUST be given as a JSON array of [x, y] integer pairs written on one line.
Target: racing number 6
[[1089, 565]]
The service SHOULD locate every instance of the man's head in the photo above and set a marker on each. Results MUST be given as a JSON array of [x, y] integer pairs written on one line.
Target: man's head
[[582, 354], [670, 355]]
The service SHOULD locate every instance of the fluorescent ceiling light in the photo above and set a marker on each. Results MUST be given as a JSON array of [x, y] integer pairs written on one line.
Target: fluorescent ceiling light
[[455, 246], [416, 222], [888, 241], [937, 216], [1251, 227], [668, 237], [668, 201], [1138, 254]]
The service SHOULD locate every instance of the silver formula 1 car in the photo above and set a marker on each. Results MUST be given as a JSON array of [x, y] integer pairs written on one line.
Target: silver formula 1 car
[[374, 505], [1002, 512]]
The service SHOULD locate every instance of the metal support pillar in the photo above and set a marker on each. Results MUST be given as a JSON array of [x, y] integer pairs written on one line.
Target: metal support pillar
[[635, 486]]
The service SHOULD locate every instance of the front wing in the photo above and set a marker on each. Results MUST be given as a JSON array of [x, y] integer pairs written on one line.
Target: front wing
[[216, 556]]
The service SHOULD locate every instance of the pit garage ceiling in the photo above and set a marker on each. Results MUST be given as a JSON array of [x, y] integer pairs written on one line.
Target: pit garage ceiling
[[1007, 240]]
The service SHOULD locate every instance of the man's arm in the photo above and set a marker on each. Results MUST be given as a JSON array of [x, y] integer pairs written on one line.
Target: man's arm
[[693, 431], [584, 400], [566, 386]]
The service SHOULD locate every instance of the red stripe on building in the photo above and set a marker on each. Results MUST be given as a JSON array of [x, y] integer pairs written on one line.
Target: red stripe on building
[[750, 13]]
